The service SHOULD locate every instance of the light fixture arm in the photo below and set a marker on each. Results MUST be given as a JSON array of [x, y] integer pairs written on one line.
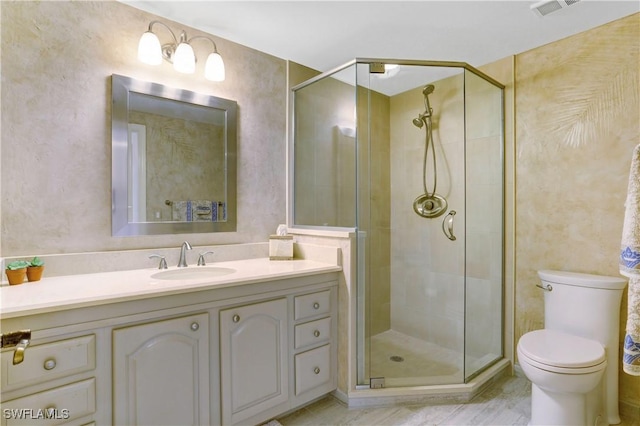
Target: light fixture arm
[[168, 49], [215, 48], [152, 23]]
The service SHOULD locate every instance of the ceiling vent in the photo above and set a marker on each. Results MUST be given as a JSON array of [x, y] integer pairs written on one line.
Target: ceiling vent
[[545, 7]]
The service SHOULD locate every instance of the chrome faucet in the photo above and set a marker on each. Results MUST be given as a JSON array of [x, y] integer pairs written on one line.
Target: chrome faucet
[[182, 263]]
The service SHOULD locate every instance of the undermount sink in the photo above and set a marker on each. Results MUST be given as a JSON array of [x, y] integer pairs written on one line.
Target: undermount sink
[[193, 273]]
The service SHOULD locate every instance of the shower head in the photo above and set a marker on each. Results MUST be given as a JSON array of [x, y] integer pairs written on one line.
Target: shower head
[[420, 120], [428, 89]]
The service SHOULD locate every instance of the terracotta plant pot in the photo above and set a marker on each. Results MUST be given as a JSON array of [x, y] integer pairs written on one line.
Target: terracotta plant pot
[[16, 276], [34, 273]]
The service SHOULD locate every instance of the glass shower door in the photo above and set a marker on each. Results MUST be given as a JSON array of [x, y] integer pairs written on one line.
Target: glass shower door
[[413, 275]]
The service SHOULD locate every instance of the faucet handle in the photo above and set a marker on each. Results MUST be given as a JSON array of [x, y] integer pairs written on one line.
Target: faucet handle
[[201, 261], [163, 261]]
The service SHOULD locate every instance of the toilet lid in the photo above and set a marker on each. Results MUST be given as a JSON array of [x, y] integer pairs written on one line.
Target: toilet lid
[[558, 349]]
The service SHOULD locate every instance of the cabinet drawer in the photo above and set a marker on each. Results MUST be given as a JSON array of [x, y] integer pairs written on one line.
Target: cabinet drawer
[[313, 304], [312, 332], [49, 361], [52, 407], [313, 368]]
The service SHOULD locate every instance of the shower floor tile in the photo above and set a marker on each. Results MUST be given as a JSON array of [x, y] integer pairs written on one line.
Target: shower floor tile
[[406, 361]]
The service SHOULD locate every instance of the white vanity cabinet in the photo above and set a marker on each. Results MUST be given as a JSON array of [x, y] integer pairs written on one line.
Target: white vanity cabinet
[[220, 355], [161, 372], [253, 360]]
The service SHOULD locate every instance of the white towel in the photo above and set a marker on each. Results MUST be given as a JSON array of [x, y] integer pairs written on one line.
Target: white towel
[[630, 267]]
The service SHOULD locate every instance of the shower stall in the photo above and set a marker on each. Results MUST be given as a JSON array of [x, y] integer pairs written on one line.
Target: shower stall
[[409, 156]]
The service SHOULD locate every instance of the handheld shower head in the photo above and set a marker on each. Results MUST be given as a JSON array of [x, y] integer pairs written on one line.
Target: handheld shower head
[[420, 120], [428, 89]]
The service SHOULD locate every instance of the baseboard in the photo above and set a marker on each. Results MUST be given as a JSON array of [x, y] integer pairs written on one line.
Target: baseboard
[[517, 371], [341, 396]]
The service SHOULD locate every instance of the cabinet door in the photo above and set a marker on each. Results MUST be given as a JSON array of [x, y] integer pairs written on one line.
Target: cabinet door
[[161, 373], [253, 351]]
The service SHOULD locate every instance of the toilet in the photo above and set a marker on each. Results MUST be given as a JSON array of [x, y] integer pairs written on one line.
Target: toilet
[[573, 362]]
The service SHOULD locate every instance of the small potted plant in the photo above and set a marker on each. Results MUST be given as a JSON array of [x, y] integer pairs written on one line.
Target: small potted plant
[[16, 271], [35, 269]]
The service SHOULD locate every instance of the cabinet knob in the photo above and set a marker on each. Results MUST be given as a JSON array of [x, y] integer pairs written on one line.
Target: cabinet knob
[[236, 318], [316, 333], [316, 370], [195, 326], [316, 305], [50, 364]]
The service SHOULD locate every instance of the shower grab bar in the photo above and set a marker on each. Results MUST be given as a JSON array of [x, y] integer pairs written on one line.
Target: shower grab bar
[[448, 220]]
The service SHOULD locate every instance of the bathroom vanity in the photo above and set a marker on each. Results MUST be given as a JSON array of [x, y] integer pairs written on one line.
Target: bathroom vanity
[[183, 348]]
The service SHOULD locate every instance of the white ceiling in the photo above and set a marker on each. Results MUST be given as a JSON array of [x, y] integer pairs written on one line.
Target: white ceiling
[[325, 34]]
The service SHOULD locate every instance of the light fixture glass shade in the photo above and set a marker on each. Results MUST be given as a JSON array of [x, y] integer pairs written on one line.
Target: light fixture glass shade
[[214, 68], [183, 59], [149, 50]]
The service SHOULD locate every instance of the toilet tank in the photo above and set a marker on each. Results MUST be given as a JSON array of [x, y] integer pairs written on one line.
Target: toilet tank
[[583, 304]]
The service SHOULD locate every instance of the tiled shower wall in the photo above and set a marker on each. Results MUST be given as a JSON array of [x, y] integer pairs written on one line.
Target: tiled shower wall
[[427, 269], [429, 291]]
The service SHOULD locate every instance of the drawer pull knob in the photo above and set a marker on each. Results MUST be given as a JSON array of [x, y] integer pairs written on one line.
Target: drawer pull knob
[[236, 318], [18, 355], [316, 305], [195, 326], [50, 364], [316, 370], [316, 333]]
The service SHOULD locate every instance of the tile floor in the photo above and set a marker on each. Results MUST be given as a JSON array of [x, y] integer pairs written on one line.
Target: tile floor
[[505, 403]]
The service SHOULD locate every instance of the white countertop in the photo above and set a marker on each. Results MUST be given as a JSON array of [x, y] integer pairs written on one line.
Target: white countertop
[[75, 291]]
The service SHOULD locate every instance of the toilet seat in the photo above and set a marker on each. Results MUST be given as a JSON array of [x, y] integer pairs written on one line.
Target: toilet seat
[[560, 352]]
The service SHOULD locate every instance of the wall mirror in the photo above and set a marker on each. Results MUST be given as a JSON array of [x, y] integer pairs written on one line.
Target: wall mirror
[[173, 160]]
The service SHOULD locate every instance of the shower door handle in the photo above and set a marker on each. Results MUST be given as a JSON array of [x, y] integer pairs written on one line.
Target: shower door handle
[[448, 221]]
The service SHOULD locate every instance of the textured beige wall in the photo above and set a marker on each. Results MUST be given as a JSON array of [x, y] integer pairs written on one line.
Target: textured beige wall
[[57, 61], [576, 126]]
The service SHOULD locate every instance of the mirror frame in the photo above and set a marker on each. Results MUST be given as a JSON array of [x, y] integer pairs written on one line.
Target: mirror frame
[[121, 88]]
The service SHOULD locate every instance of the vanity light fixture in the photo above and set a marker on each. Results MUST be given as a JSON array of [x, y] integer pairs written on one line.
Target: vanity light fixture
[[179, 52]]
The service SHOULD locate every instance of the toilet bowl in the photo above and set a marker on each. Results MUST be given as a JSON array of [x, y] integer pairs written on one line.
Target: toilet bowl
[[574, 380], [566, 374]]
